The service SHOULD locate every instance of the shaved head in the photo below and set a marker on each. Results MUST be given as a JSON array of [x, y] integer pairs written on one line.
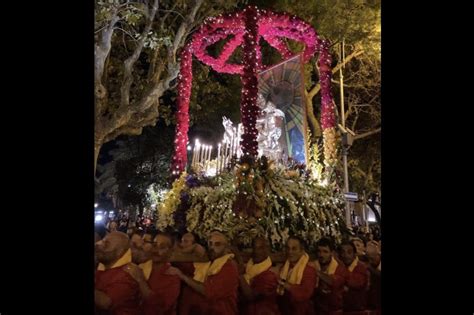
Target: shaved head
[[219, 236], [260, 249], [120, 239], [112, 247], [218, 244], [162, 248], [187, 240]]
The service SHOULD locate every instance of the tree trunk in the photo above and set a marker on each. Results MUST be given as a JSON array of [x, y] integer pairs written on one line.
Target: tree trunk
[[314, 125], [97, 147]]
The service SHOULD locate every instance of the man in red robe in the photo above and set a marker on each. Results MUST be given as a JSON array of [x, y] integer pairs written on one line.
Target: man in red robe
[[221, 278], [136, 246], [355, 290], [160, 290], [332, 277], [116, 292], [375, 268], [190, 302], [258, 283], [297, 280]]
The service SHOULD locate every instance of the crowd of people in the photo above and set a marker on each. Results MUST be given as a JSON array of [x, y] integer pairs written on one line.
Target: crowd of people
[[151, 273], [123, 223]]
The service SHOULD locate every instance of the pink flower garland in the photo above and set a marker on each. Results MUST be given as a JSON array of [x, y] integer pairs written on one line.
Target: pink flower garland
[[246, 28], [328, 117], [249, 109], [185, 78]]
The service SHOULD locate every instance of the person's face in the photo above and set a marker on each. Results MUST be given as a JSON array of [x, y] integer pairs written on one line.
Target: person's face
[[260, 251], [217, 246], [324, 255], [374, 259], [294, 250], [347, 254], [113, 226], [147, 243], [162, 249], [136, 241], [360, 247], [136, 245], [109, 249], [187, 241]]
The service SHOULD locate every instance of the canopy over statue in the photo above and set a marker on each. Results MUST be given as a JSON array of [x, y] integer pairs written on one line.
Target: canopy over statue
[[283, 87]]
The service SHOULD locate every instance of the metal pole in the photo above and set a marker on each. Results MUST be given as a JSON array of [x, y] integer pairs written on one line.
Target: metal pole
[[341, 80], [346, 186], [344, 148], [364, 213]]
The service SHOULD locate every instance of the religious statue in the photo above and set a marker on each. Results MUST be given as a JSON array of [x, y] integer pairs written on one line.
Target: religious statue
[[229, 129], [270, 129]]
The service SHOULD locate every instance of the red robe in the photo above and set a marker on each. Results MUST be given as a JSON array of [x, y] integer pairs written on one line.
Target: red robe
[[190, 302], [264, 285], [221, 291], [165, 294], [373, 294], [297, 300], [186, 267], [355, 292], [121, 288], [328, 299]]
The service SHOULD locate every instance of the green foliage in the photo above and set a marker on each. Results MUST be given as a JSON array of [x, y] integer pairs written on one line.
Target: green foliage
[[293, 204]]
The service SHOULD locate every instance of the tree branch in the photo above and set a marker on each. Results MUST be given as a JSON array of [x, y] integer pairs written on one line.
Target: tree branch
[[184, 27], [366, 134], [130, 119], [317, 87], [128, 64], [355, 120], [126, 32], [152, 71], [172, 11], [314, 124], [345, 84], [101, 52], [134, 125]]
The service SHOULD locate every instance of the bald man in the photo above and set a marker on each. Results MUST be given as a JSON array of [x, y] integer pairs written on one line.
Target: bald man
[[258, 283], [188, 244], [190, 301], [374, 266], [221, 280], [116, 292], [159, 289], [136, 245], [187, 251]]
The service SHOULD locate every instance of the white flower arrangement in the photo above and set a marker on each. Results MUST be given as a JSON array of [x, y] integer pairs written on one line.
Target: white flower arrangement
[[292, 206]]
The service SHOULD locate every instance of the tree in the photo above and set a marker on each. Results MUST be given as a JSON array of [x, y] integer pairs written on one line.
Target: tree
[[147, 162], [358, 22], [106, 183], [363, 116], [136, 47]]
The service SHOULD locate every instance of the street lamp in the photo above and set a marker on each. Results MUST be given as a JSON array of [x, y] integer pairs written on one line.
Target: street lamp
[[347, 140], [347, 137]]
